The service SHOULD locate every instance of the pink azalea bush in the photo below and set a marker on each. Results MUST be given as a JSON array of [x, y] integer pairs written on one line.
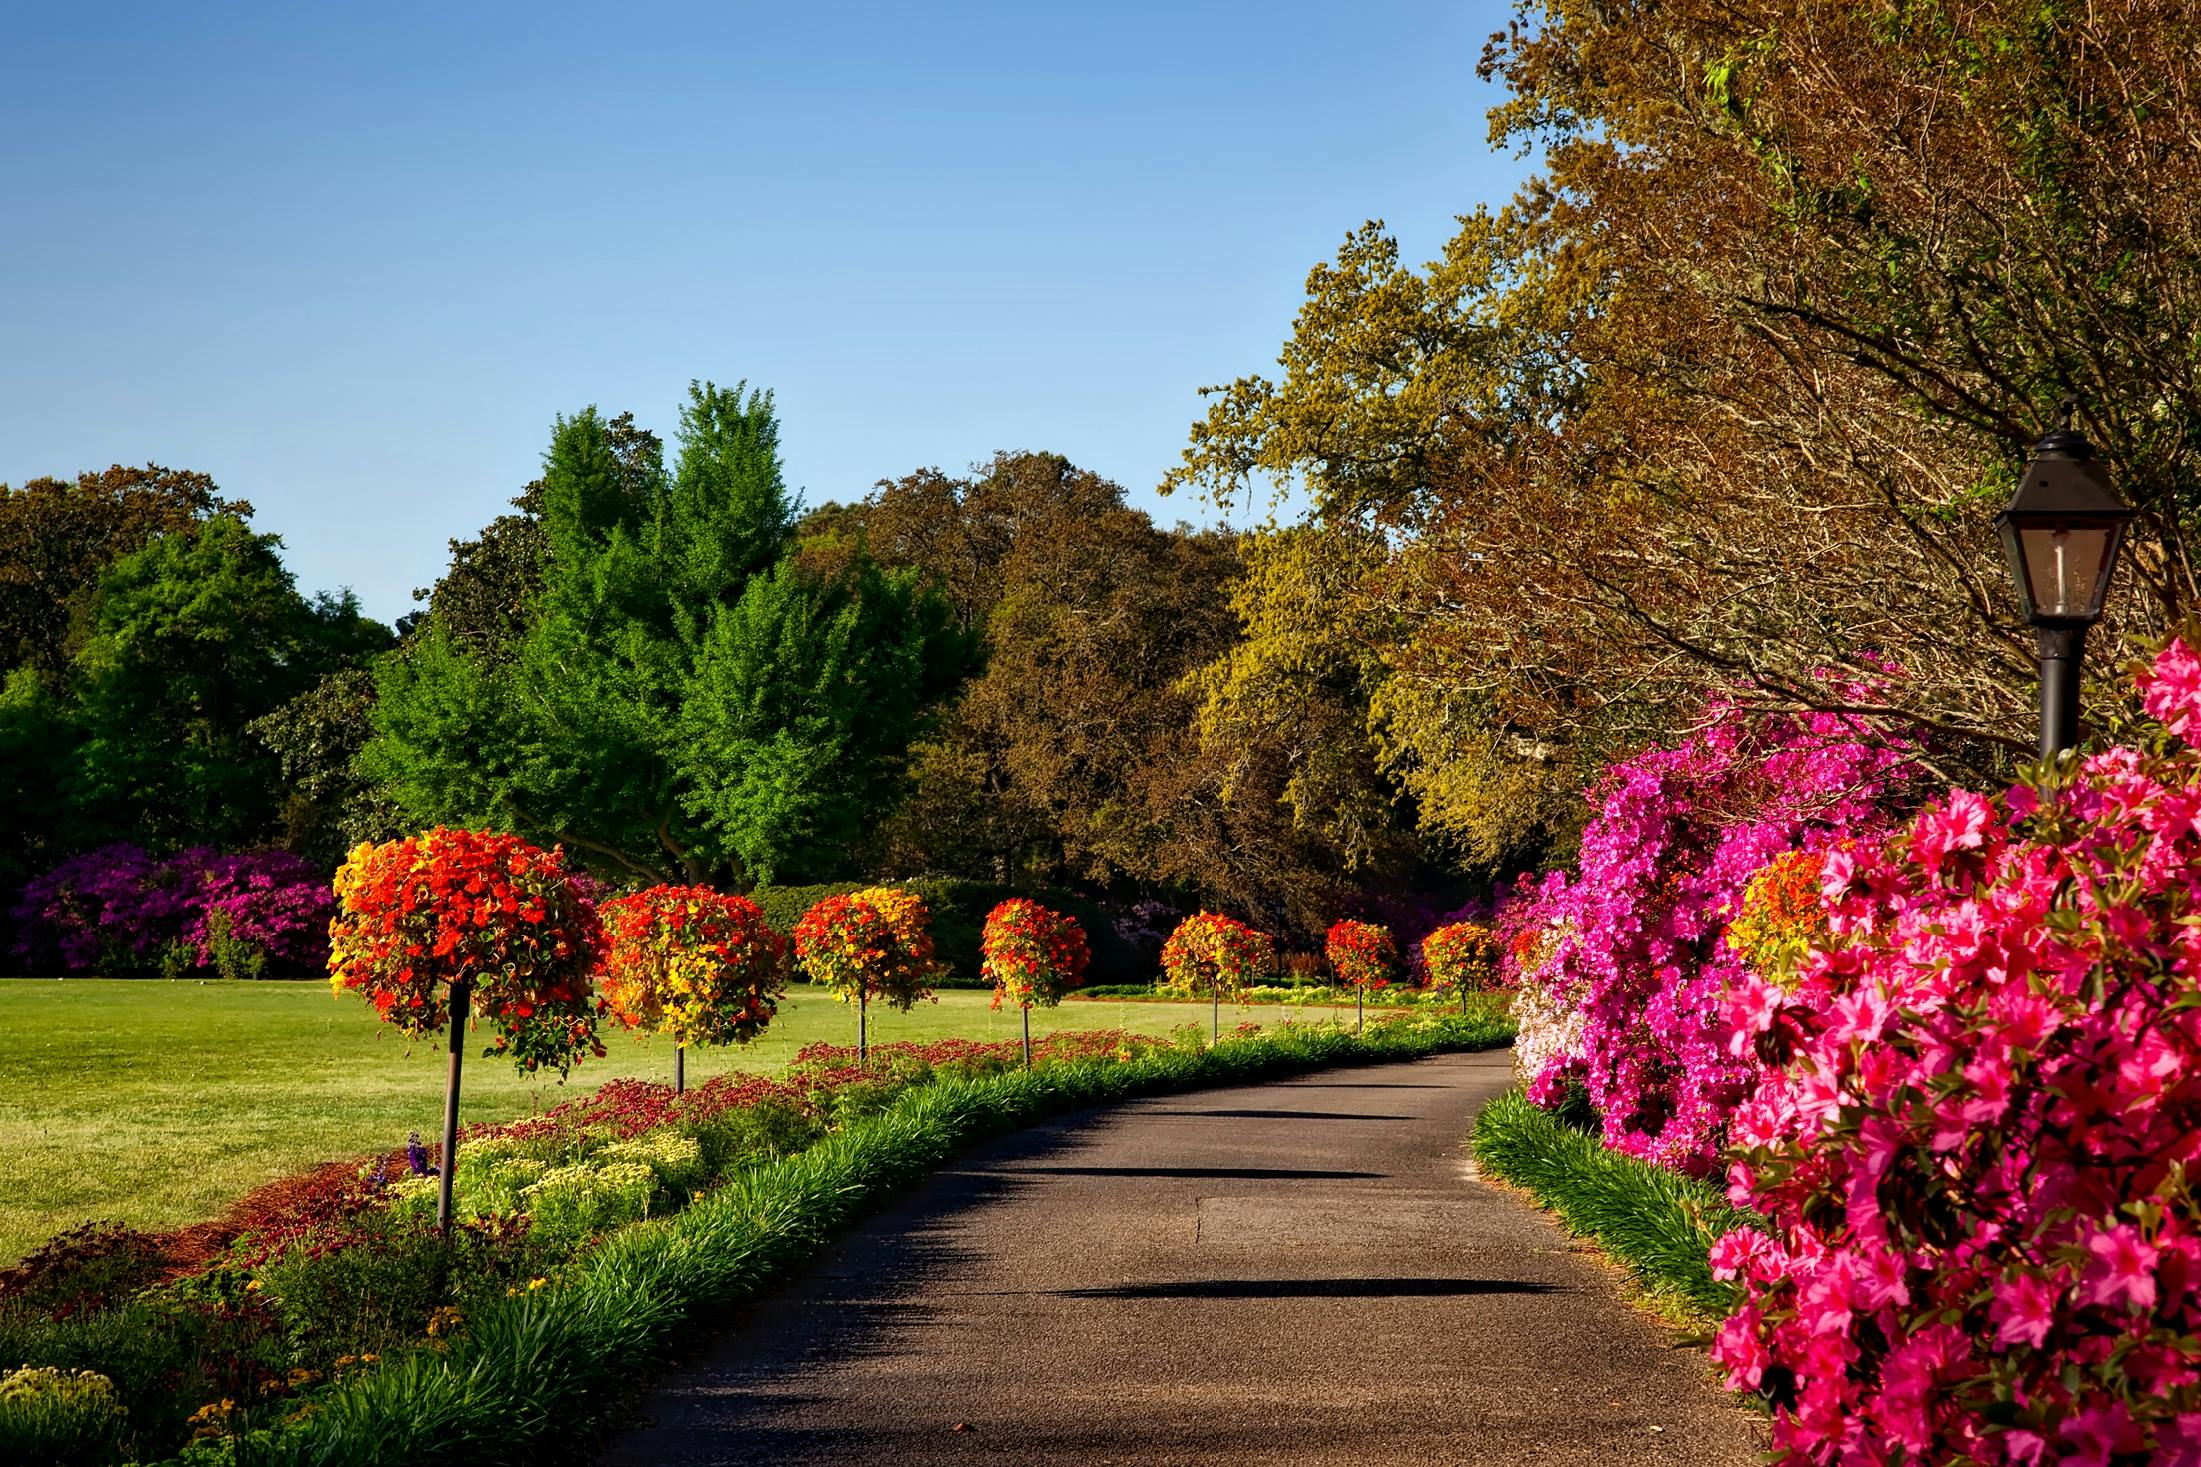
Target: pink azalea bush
[[1978, 1151], [1620, 969], [119, 911]]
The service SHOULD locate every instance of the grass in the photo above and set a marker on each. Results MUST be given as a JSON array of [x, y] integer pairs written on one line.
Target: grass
[[158, 1103], [1660, 1224], [533, 1373]]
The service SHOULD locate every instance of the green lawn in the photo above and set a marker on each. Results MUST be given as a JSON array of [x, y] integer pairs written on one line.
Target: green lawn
[[158, 1103]]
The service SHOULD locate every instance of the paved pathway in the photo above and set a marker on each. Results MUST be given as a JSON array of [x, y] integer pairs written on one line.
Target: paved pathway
[[1295, 1272]]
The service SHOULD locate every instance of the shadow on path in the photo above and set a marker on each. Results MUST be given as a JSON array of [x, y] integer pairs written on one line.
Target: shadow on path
[[1313, 1289]]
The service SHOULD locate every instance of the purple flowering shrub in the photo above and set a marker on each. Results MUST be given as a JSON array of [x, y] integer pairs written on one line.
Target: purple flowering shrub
[[1621, 968], [1979, 1153], [117, 910]]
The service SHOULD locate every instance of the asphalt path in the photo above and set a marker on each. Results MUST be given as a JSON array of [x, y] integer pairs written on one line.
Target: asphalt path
[[1302, 1271]]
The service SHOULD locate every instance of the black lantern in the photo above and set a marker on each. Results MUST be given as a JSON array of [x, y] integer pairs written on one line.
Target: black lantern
[[2062, 531]]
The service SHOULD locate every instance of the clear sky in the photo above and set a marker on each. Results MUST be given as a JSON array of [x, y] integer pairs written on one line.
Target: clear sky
[[352, 259]]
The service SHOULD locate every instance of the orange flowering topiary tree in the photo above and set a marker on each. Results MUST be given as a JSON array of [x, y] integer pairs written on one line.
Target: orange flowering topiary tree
[[432, 926], [1216, 956], [1033, 954], [1462, 958], [1363, 956], [874, 943], [698, 966]]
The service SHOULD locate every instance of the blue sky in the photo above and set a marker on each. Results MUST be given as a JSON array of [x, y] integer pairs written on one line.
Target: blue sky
[[351, 260]]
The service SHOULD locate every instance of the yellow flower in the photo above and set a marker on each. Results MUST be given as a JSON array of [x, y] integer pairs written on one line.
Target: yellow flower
[[252, 1287], [536, 1283]]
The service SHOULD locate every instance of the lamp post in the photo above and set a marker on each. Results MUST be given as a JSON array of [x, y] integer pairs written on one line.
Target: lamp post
[[2062, 531]]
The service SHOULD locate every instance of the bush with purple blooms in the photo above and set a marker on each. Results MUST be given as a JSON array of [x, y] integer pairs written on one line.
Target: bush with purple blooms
[[120, 912]]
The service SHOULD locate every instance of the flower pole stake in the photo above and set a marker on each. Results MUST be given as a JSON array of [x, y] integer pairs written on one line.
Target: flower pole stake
[[462, 998]]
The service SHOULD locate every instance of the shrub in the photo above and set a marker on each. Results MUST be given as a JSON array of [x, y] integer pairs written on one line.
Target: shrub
[[576, 1201], [1213, 956], [419, 914], [1621, 967], [1033, 955], [1362, 954], [1978, 1154], [698, 966], [120, 912], [87, 1268], [59, 1418]]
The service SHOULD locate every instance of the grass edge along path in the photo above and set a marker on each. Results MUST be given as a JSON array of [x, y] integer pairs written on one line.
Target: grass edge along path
[[1660, 1224], [548, 1367]]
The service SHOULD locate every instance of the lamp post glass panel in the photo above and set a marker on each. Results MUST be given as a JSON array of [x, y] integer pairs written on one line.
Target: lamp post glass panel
[[2062, 531]]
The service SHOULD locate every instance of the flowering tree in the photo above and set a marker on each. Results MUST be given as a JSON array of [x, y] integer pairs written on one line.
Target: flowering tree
[[1033, 954], [696, 965], [1363, 956], [1462, 958], [428, 925], [1619, 970], [1216, 956], [1978, 1157], [871, 943]]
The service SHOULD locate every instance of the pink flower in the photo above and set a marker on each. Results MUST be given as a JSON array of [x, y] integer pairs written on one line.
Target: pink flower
[[2171, 688], [1738, 1346], [2024, 1310], [2122, 1269]]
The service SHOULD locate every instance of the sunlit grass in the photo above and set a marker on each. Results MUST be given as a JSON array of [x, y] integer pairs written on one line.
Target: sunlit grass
[[158, 1103]]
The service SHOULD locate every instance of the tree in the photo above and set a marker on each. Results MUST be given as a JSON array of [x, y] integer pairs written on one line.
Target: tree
[[191, 639], [1729, 398], [326, 805], [687, 694], [58, 537]]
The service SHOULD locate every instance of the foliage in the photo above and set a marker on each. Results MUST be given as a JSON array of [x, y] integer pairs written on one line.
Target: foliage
[[868, 944], [1032, 954], [190, 639], [417, 915], [1620, 967], [698, 966], [1361, 954], [59, 537], [1977, 1154], [118, 911], [1463, 957], [1658, 1223], [327, 805], [689, 691], [1078, 755], [1214, 956], [58, 1417], [1731, 391]]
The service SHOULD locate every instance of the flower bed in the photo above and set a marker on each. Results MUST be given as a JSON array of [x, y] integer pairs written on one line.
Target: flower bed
[[309, 1281]]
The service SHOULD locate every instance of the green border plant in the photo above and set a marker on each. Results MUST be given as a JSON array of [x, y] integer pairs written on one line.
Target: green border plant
[[1659, 1223]]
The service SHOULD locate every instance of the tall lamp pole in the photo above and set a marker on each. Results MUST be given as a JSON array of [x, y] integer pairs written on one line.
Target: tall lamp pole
[[2062, 531]]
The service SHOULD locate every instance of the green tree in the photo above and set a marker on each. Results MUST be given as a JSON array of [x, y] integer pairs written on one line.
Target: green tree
[[669, 618], [191, 639], [58, 537]]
